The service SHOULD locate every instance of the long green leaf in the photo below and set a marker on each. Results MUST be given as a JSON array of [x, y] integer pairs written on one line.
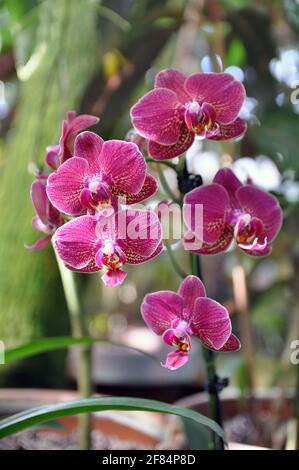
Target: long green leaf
[[54, 343], [35, 416]]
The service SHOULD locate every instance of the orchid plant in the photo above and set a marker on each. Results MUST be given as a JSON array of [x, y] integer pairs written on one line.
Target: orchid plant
[[82, 206]]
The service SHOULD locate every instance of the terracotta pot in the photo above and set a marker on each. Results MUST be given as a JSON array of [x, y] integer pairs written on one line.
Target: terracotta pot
[[262, 404], [143, 428]]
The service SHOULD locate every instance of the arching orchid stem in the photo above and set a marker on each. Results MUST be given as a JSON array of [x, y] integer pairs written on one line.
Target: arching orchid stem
[[162, 162], [79, 329], [174, 262], [166, 186]]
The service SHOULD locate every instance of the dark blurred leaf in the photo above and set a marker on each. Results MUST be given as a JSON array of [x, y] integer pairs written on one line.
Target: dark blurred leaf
[[278, 135], [292, 10]]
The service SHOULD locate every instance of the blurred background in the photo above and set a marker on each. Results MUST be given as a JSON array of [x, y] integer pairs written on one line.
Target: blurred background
[[99, 57]]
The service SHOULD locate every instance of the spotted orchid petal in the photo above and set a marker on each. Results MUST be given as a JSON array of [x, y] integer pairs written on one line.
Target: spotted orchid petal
[[190, 290], [65, 186], [143, 234], [173, 80], [88, 145], [133, 258], [229, 131], [221, 90], [156, 116], [124, 164], [214, 201], [165, 152], [232, 345], [161, 310], [228, 180], [211, 323], [261, 205], [200, 248], [149, 188], [77, 243]]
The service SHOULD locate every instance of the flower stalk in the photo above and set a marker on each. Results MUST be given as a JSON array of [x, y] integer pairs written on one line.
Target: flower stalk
[[214, 384], [79, 329]]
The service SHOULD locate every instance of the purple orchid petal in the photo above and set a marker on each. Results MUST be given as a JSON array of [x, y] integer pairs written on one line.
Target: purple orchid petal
[[40, 201], [173, 80], [66, 184], [143, 233], [263, 206], [40, 244], [38, 225], [123, 163], [88, 145], [222, 244], [83, 121], [232, 345], [256, 248], [52, 156], [70, 128], [156, 116], [211, 323], [149, 188], [229, 131], [76, 241], [114, 278], [175, 360], [91, 267], [221, 90], [215, 204], [133, 258], [190, 290], [226, 178], [161, 310], [165, 152]]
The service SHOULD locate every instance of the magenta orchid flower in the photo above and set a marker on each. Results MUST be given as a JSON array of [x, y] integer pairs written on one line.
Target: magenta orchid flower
[[88, 243], [99, 174], [231, 210], [205, 105], [47, 218], [71, 126], [178, 316]]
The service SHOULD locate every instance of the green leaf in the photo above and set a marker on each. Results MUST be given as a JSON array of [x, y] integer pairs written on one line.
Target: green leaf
[[57, 342], [36, 416], [197, 436]]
